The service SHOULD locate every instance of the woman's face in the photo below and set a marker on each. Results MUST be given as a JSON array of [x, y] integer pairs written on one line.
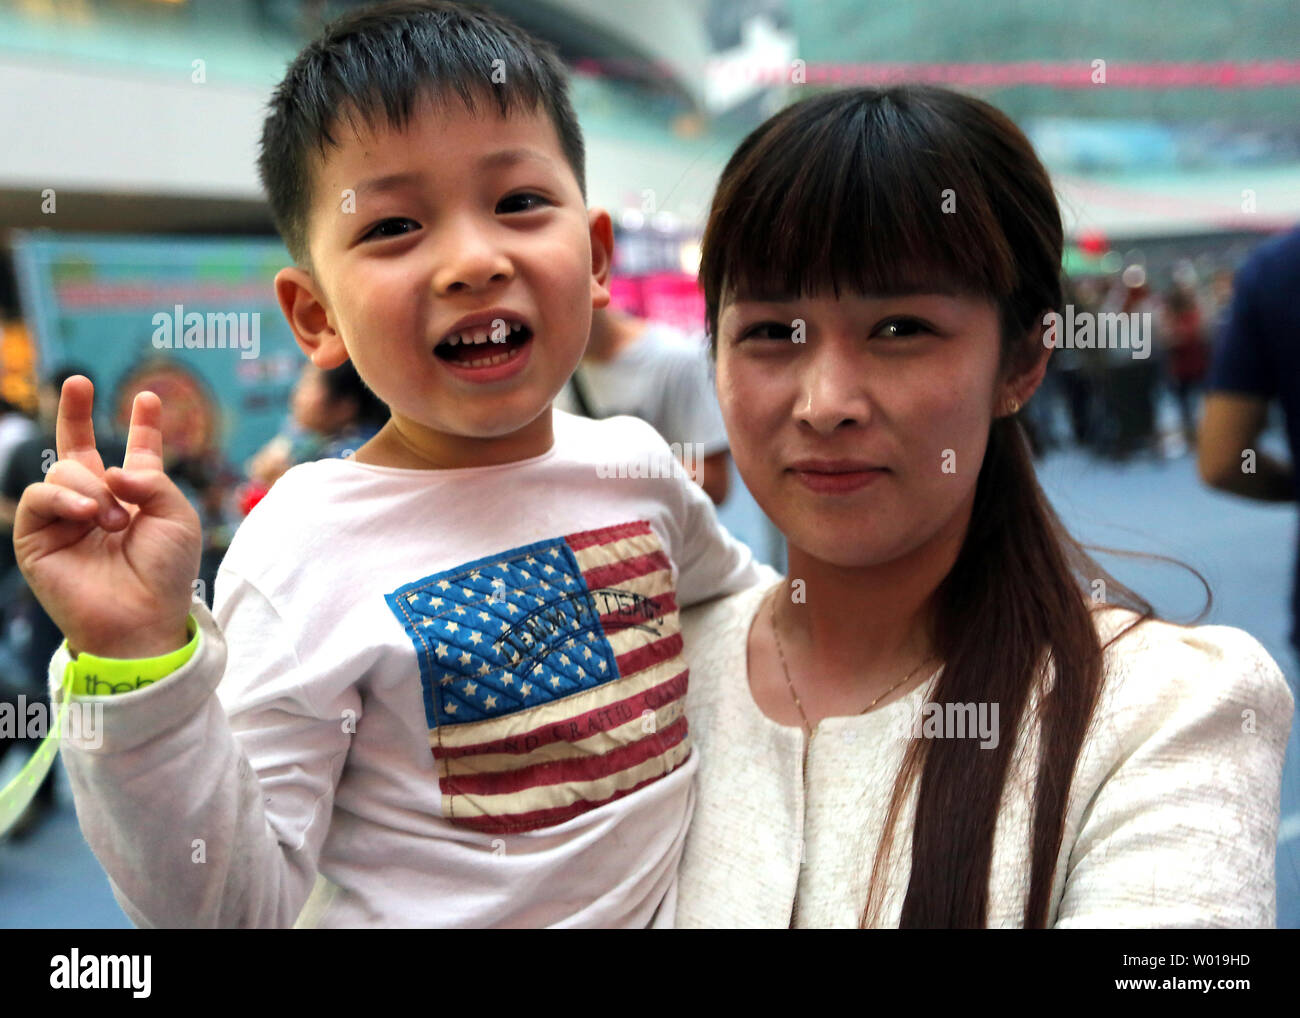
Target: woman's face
[[859, 424]]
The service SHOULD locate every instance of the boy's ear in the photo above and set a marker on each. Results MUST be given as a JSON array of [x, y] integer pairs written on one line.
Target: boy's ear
[[602, 255], [304, 308]]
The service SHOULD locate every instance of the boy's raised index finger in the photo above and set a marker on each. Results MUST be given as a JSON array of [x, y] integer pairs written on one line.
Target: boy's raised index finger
[[144, 439], [74, 431]]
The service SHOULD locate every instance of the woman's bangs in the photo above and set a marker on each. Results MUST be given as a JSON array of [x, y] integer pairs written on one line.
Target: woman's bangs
[[856, 200]]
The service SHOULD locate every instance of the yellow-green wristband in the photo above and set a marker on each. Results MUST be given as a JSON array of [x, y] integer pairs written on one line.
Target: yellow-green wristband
[[106, 676]]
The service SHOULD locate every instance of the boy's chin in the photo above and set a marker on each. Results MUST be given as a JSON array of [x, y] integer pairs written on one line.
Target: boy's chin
[[498, 426]]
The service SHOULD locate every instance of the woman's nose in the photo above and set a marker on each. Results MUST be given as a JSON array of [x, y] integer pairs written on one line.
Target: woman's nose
[[831, 390]]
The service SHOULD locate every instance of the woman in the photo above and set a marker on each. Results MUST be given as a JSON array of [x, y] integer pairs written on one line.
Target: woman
[[877, 267]]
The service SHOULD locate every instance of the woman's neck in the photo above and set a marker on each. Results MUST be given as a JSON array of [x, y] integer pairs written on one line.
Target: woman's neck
[[860, 625]]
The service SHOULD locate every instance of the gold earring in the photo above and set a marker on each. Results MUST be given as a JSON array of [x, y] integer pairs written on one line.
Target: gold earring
[[1013, 406]]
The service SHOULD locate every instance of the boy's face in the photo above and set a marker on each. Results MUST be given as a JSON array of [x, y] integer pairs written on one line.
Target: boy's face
[[459, 216]]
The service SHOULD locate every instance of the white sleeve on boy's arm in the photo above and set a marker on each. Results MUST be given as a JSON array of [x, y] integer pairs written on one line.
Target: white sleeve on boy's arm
[[203, 819]]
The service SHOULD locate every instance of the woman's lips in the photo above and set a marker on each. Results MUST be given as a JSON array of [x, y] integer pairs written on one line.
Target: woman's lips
[[838, 481]]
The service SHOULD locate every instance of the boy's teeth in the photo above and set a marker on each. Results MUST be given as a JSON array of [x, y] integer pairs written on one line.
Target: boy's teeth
[[473, 337], [483, 362]]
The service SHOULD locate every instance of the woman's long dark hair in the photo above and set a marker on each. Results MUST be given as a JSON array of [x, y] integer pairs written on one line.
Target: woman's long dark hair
[[885, 190]]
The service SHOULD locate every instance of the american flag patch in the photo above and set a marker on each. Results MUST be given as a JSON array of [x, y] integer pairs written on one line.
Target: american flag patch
[[552, 674]]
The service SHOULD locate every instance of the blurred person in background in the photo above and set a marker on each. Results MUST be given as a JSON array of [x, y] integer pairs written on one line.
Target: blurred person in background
[[1257, 361], [210, 485], [16, 427], [659, 374], [331, 414], [1077, 370], [1129, 417], [1187, 353], [39, 636]]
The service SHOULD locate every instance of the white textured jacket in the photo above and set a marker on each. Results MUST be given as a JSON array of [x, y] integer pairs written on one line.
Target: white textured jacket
[[1172, 818]]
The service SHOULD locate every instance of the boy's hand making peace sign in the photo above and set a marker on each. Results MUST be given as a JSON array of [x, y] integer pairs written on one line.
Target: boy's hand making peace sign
[[116, 580]]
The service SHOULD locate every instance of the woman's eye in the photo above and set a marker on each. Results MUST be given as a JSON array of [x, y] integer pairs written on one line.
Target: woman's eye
[[902, 328], [387, 228], [525, 202], [768, 330]]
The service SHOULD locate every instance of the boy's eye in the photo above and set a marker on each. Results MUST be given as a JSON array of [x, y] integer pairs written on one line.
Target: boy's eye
[[389, 228], [523, 202]]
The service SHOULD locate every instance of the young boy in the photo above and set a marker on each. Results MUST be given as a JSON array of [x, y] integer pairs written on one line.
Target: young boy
[[453, 679]]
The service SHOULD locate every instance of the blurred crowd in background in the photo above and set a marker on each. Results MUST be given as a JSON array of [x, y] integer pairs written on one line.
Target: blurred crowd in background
[[1108, 397]]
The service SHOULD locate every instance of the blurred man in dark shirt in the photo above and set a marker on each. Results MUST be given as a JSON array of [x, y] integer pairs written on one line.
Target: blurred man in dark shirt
[[1256, 361]]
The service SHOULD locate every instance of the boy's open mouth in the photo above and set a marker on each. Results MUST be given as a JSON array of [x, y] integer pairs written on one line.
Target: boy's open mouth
[[476, 349]]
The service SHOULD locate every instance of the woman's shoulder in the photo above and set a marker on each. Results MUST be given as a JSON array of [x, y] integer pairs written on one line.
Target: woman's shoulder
[[1175, 799], [1187, 681], [1184, 657]]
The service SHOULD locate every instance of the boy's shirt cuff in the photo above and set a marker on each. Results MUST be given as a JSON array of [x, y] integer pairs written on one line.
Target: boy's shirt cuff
[[106, 676]]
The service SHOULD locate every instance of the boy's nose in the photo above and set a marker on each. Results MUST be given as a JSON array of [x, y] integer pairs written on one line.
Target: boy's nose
[[470, 263]]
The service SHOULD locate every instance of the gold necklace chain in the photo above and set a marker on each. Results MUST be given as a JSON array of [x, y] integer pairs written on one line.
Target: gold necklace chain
[[795, 696], [808, 729]]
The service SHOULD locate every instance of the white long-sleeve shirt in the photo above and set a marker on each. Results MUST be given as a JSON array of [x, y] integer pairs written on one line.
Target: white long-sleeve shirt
[[1172, 817], [456, 696]]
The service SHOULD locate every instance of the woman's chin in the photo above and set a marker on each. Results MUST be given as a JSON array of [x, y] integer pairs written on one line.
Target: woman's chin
[[830, 547]]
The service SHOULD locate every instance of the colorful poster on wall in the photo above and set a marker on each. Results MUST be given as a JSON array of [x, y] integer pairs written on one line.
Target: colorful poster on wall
[[193, 319]]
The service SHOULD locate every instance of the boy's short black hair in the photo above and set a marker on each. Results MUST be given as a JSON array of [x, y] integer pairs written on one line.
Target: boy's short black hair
[[387, 58]]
